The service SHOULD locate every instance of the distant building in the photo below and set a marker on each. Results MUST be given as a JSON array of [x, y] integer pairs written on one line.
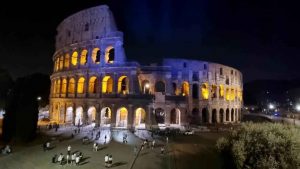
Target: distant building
[[92, 82]]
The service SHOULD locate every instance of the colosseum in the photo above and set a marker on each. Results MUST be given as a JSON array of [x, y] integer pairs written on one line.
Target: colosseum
[[93, 83]]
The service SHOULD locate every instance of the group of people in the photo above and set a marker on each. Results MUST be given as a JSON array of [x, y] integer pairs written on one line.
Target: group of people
[[148, 144], [70, 158], [108, 160], [125, 138]]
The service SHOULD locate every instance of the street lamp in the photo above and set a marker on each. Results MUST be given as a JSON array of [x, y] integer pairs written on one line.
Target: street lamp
[[39, 98], [271, 106], [146, 88]]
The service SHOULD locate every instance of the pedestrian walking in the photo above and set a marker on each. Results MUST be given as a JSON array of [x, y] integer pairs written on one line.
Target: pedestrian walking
[[68, 158], [73, 157], [105, 139], [69, 149], [106, 160], [153, 144], [77, 159], [167, 139], [162, 150], [47, 145]]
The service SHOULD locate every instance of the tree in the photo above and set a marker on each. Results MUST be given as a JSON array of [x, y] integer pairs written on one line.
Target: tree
[[262, 146]]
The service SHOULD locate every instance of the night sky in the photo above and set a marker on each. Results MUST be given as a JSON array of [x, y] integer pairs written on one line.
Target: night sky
[[258, 37]]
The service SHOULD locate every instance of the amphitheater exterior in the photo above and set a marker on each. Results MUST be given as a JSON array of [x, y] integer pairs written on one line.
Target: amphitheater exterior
[[93, 82]]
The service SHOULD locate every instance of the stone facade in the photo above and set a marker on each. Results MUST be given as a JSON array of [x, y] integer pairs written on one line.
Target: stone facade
[[92, 82]]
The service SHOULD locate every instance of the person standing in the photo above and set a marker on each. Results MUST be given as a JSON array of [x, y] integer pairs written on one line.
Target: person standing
[[153, 144], [106, 160], [69, 149], [162, 150], [105, 139], [77, 159], [73, 157], [60, 159], [110, 159], [54, 158], [167, 139]]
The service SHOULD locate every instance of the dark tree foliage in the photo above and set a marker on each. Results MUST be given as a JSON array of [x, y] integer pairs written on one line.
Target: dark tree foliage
[[20, 120]]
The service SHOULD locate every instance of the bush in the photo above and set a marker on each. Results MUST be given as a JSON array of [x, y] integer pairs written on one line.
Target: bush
[[262, 146]]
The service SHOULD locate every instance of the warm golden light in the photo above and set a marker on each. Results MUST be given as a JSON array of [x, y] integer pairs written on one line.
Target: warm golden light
[[64, 86], [83, 57], [67, 61], [92, 84], [71, 88], [227, 94], [123, 113], [140, 116], [57, 64], [221, 91], [96, 55], [107, 84], [80, 85], [185, 89], [57, 87], [123, 85], [74, 58], [204, 90], [61, 62]]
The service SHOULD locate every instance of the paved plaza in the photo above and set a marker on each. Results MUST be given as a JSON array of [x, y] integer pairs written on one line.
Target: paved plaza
[[182, 151]]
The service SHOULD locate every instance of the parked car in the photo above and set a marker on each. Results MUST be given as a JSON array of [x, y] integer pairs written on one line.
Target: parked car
[[189, 132]]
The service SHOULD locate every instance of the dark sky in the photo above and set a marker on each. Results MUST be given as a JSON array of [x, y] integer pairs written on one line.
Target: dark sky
[[258, 37]]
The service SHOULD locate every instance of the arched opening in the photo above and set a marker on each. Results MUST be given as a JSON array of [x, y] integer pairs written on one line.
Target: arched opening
[[96, 55], [204, 91], [71, 88], [195, 116], [221, 116], [160, 116], [214, 116], [204, 115], [92, 84], [227, 94], [140, 117], [232, 94], [61, 62], [227, 114], [160, 86], [83, 57], [146, 87], [57, 87], [79, 116], [109, 55], [214, 91], [195, 91], [232, 114], [91, 114], [64, 86], [80, 85], [221, 91], [122, 115], [74, 58], [175, 116], [105, 116], [107, 84], [123, 85], [69, 115], [185, 88], [67, 61]]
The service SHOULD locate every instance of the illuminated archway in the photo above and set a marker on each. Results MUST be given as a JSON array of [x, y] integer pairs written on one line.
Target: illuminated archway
[[221, 91], [160, 115], [122, 116], [107, 84], [83, 57], [227, 94], [61, 62], [74, 58], [232, 94], [214, 116], [91, 114], [204, 115], [109, 55], [146, 87], [64, 86], [185, 88], [140, 117], [57, 87], [105, 116], [204, 90], [92, 84], [221, 116], [80, 85], [175, 116], [67, 61], [160, 86], [123, 85], [69, 115], [71, 87], [79, 116], [96, 55]]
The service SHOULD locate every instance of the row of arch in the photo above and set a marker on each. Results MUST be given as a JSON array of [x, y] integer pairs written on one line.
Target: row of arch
[[65, 85], [77, 116], [215, 116], [66, 61]]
